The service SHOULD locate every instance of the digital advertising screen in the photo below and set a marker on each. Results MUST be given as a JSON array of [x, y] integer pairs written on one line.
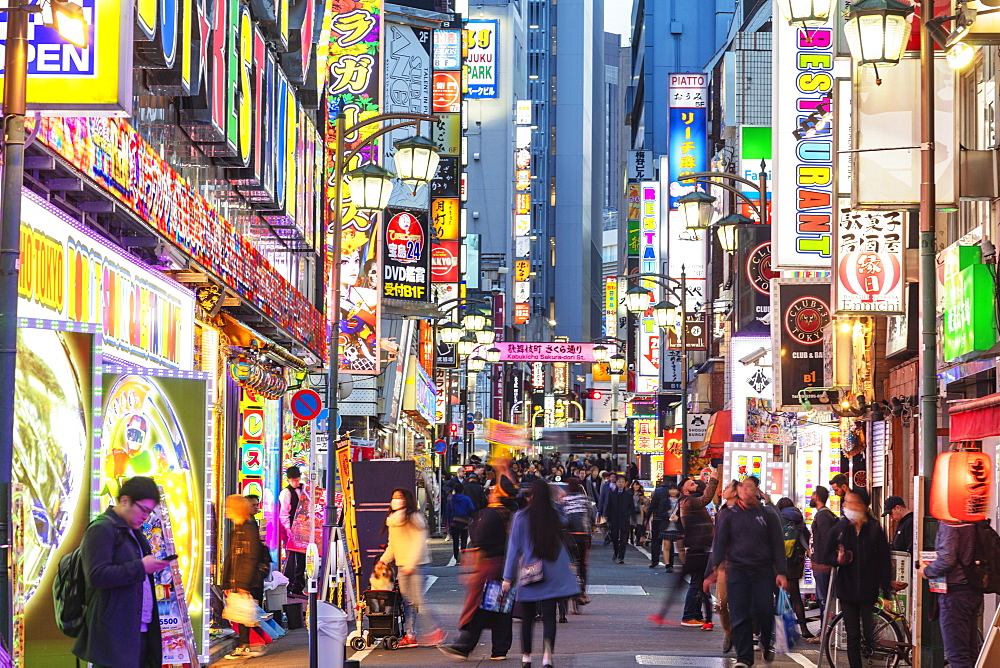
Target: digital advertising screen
[[157, 423]]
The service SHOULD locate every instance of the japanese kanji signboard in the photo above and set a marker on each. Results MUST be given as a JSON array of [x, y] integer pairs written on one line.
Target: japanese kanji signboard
[[869, 262]]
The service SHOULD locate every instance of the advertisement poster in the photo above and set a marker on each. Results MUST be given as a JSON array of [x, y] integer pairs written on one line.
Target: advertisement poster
[[354, 62], [747, 459], [54, 422], [407, 91], [801, 312], [753, 291], [175, 624], [481, 76], [157, 425], [752, 376], [406, 270], [766, 426]]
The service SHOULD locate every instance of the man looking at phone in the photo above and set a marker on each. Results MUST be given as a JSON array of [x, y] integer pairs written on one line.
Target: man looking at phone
[[122, 628]]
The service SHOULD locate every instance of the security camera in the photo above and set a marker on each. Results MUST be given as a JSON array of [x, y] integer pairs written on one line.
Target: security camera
[[754, 357]]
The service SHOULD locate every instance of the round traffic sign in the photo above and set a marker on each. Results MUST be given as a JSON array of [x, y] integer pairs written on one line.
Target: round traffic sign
[[440, 447], [306, 404]]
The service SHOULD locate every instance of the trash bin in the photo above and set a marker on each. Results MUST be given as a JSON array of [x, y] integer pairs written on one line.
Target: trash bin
[[293, 616], [332, 632]]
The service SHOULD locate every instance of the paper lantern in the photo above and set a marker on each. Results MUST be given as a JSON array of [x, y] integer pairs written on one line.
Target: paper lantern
[[960, 491]]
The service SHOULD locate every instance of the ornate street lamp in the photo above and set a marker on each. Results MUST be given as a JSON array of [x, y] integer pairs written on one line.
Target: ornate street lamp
[[808, 13], [450, 333], [493, 355], [637, 299], [486, 336], [465, 346], [474, 320], [371, 187], [477, 363], [416, 159], [877, 31], [616, 365], [696, 209], [665, 314], [726, 229], [601, 354]]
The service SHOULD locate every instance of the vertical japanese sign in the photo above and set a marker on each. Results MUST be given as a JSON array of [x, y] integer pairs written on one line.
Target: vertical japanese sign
[[406, 271], [610, 306], [354, 88], [869, 264], [634, 207], [522, 214], [802, 224], [481, 50], [250, 445], [649, 263]]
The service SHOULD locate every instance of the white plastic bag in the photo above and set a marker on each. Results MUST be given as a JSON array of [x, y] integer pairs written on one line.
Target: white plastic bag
[[242, 609]]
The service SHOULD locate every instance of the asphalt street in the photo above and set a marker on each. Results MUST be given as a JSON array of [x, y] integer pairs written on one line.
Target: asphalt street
[[612, 630]]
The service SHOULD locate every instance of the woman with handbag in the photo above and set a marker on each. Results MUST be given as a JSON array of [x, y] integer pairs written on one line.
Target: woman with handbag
[[489, 543], [242, 573], [859, 549], [796, 537], [537, 559]]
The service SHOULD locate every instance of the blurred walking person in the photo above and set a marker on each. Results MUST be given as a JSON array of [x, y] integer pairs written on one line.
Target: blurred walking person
[[407, 548], [244, 569], [580, 517], [618, 508], [796, 537], [823, 522], [666, 525], [460, 511], [489, 543], [640, 513], [537, 560], [698, 533]]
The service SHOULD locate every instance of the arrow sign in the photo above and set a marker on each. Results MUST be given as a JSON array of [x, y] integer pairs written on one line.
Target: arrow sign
[[306, 404]]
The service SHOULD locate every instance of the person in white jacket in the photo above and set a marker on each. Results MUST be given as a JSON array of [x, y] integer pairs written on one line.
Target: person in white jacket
[[407, 549]]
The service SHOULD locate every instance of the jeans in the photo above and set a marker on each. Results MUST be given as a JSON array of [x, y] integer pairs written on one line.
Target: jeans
[[822, 587], [655, 544], [503, 633], [547, 608], [696, 597], [459, 540], [619, 537], [859, 622], [751, 601], [960, 625], [411, 586]]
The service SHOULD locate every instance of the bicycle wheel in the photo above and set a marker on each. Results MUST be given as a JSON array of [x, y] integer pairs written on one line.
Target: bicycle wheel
[[881, 653]]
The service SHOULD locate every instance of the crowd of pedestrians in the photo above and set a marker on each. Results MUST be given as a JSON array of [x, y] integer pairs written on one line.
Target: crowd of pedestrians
[[530, 527]]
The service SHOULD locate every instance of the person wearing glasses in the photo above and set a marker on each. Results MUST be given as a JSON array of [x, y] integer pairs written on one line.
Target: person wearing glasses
[[122, 627]]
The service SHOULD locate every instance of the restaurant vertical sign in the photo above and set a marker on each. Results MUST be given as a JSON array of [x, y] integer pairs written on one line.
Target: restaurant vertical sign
[[353, 72]]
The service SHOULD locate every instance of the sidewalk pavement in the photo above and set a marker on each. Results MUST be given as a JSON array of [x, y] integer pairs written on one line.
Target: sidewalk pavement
[[612, 630]]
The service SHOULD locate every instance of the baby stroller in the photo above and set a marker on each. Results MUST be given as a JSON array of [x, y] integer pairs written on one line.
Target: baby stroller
[[386, 621]]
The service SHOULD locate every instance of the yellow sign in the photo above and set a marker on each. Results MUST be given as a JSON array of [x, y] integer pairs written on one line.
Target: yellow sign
[[522, 270], [350, 524], [445, 216], [66, 80]]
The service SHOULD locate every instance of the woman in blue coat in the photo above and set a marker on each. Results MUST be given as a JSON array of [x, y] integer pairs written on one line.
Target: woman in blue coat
[[536, 535]]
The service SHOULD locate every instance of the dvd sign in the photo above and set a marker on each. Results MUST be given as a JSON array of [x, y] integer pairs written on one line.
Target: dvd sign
[[444, 261], [406, 257]]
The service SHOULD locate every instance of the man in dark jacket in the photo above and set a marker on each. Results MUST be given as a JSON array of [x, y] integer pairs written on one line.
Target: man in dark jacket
[[474, 490], [895, 509], [748, 537], [823, 521], [960, 606], [122, 626], [619, 506]]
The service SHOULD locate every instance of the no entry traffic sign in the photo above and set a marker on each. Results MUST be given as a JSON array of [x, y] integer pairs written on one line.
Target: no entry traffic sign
[[306, 404]]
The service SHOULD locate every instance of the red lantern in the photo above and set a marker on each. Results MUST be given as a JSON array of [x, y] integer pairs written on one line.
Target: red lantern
[[963, 482]]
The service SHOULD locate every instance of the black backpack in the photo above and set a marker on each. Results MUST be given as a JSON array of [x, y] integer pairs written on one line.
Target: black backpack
[[983, 572], [69, 590]]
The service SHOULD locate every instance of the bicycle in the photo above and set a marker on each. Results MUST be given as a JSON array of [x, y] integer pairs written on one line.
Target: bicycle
[[891, 644]]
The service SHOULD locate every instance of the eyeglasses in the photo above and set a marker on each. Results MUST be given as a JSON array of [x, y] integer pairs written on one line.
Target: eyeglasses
[[145, 511]]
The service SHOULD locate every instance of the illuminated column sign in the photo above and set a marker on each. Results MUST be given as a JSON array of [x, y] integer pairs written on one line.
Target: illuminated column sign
[[803, 204], [648, 362]]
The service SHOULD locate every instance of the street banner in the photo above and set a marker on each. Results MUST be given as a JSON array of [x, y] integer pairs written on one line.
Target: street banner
[[504, 433], [543, 352]]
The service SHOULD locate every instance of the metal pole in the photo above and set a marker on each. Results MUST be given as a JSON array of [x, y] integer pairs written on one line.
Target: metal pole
[[614, 419], [763, 192], [15, 82], [928, 303], [685, 446]]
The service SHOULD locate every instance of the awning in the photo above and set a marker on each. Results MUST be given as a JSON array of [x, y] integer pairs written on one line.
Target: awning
[[975, 419], [720, 430]]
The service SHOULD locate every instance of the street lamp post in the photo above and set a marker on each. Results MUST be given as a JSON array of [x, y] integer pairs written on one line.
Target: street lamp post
[[342, 159], [69, 23]]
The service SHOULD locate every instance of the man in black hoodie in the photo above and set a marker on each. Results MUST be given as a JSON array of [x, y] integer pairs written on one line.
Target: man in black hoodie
[[474, 490], [749, 539]]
